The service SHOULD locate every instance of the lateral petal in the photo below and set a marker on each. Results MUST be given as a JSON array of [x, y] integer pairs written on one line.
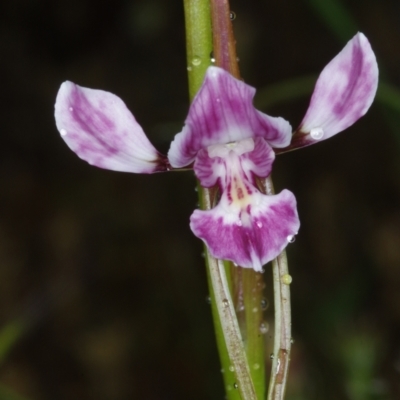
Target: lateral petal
[[223, 112], [249, 239], [343, 93], [100, 129]]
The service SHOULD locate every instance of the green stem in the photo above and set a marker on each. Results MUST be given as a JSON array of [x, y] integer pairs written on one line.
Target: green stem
[[253, 286], [198, 41]]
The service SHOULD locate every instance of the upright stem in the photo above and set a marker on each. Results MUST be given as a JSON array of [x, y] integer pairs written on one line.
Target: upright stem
[[283, 322], [198, 42], [223, 38]]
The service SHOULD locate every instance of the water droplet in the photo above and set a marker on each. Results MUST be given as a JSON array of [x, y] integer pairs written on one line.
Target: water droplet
[[239, 223], [317, 133], [286, 279], [225, 302], [196, 189], [232, 15], [291, 238], [71, 109], [235, 385], [212, 58], [229, 388], [291, 340], [264, 327], [259, 224], [235, 264], [231, 368], [256, 366], [196, 61], [189, 68], [264, 304], [255, 309], [271, 356], [208, 299], [63, 132]]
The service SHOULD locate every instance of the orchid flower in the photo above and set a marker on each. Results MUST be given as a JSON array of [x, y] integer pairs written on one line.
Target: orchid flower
[[229, 144]]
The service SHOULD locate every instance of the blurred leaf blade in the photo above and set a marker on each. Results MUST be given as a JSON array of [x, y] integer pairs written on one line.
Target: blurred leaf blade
[[8, 394], [9, 335], [336, 17]]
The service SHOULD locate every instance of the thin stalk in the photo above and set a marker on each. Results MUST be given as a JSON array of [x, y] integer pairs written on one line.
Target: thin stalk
[[198, 42], [230, 328], [283, 323], [253, 285]]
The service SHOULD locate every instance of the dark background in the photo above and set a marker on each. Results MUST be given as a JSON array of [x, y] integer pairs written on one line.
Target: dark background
[[102, 284]]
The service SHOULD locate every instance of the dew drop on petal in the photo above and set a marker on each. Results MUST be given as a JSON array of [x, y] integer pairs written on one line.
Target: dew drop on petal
[[208, 299], [235, 385], [291, 238], [291, 340], [189, 68], [63, 132], [259, 224], [264, 327], [286, 279], [271, 356], [212, 60], [239, 223], [317, 133], [231, 368], [196, 61], [255, 309], [232, 15], [225, 302]]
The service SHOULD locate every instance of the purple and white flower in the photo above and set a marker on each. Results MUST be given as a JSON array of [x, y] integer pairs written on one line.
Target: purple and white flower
[[229, 143]]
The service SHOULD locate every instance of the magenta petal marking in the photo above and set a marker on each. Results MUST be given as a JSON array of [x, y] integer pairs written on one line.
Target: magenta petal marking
[[259, 161], [100, 129], [223, 112], [249, 238], [343, 93], [208, 170]]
